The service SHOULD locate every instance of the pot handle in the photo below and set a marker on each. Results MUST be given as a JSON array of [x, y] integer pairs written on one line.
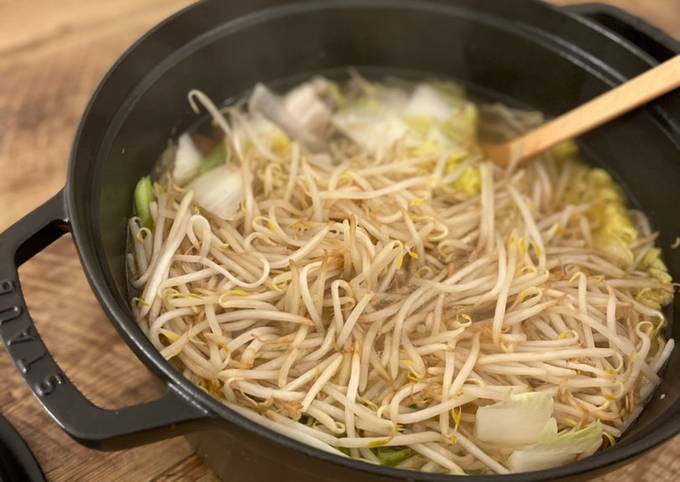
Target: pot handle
[[171, 415], [656, 43]]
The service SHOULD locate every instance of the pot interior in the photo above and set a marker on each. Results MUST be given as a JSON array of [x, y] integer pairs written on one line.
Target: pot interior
[[527, 53]]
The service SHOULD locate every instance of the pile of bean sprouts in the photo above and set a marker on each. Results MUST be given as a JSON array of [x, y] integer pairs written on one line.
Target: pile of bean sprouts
[[358, 301]]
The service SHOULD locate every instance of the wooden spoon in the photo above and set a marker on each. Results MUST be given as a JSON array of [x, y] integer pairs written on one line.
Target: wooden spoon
[[624, 98]]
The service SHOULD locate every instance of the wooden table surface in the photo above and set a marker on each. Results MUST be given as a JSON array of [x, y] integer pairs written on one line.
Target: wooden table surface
[[52, 55]]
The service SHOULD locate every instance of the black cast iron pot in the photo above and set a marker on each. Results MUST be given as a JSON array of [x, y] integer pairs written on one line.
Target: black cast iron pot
[[524, 51]]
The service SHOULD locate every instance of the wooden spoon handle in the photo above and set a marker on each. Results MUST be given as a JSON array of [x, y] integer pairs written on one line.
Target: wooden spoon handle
[[634, 93]]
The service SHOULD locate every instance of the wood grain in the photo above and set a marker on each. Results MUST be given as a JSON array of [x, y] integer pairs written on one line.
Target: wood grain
[[52, 54]]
